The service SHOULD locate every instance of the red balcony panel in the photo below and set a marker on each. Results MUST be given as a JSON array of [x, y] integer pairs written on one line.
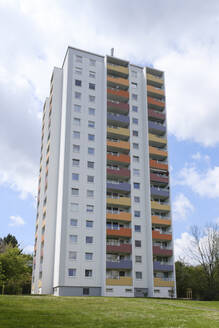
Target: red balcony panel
[[123, 248], [158, 178], [161, 236], [158, 165], [118, 93], [119, 173], [120, 107], [157, 250], [153, 114]]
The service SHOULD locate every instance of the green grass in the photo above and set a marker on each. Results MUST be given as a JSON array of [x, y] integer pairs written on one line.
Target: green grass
[[66, 312]]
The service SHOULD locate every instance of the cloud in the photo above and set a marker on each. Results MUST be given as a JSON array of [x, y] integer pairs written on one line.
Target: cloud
[[216, 221], [16, 221], [28, 249], [196, 156], [182, 248], [182, 207]]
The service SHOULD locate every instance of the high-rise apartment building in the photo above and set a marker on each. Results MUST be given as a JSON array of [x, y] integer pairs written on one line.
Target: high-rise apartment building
[[103, 215]]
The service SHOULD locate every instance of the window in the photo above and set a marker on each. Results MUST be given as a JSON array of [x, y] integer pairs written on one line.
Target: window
[[89, 256], [91, 98], [91, 150], [78, 83], [86, 291], [75, 162], [134, 85], [136, 172], [92, 74], [74, 207], [90, 165], [90, 193], [71, 272], [135, 145], [89, 240], [91, 137], [91, 124], [135, 109], [134, 97], [91, 111], [137, 243], [78, 59], [75, 176], [90, 178], [73, 239], [77, 95], [75, 191], [134, 74], [138, 259], [76, 148], [137, 214], [110, 290], [76, 134], [156, 291], [73, 222], [134, 120], [138, 275], [78, 70], [72, 255], [76, 121], [137, 228], [135, 133], [137, 199], [77, 108], [136, 185], [92, 86], [92, 62], [89, 224], [88, 273], [90, 208], [136, 159]]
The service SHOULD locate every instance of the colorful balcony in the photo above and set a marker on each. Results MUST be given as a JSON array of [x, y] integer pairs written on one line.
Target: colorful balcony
[[154, 79], [157, 220], [125, 264], [122, 232], [155, 91], [117, 81], [155, 192], [161, 236], [120, 120], [121, 173], [123, 248], [156, 104], [162, 267], [157, 250], [117, 95], [121, 201], [121, 281], [162, 282], [42, 239], [156, 141], [118, 159], [157, 153], [123, 216], [118, 107], [40, 283], [118, 70], [126, 187], [158, 165], [152, 113], [118, 133], [160, 207], [118, 145], [161, 179], [156, 128]]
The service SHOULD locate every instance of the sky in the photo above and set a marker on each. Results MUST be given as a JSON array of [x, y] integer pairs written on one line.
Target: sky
[[179, 37]]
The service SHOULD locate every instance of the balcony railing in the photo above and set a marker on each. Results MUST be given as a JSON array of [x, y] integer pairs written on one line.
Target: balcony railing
[[121, 248], [126, 264], [159, 178], [122, 216], [162, 193], [121, 201], [156, 128], [155, 103], [159, 266], [157, 250], [122, 232], [160, 206], [119, 281], [119, 186], [163, 282], [121, 120], [117, 107], [162, 165]]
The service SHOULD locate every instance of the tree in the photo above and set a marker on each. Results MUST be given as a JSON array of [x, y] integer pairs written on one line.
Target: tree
[[11, 240]]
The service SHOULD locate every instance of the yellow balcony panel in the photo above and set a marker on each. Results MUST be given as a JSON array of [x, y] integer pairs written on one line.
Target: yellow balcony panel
[[44, 209], [43, 223], [122, 201], [163, 222], [156, 140], [123, 216], [122, 281], [118, 132], [154, 90], [159, 282], [157, 153], [158, 206], [155, 79], [117, 81], [40, 283], [118, 69], [111, 145]]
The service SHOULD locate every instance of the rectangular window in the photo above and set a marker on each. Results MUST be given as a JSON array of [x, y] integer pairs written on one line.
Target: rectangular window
[[134, 85], [76, 148], [138, 275], [77, 95], [78, 59], [72, 255], [136, 172], [92, 62], [135, 159], [135, 133], [89, 256], [71, 272], [137, 228], [73, 239], [92, 74], [138, 259], [75, 162], [137, 243], [90, 165], [89, 240], [91, 137], [90, 193], [90, 178], [136, 185], [88, 273], [91, 98], [86, 291], [90, 208], [91, 150], [76, 134], [74, 222], [75, 176], [135, 145], [92, 86], [135, 120], [77, 108], [134, 97], [76, 121], [78, 83], [89, 223], [137, 199], [75, 191], [91, 124], [137, 214], [78, 70], [91, 111], [74, 207], [135, 109]]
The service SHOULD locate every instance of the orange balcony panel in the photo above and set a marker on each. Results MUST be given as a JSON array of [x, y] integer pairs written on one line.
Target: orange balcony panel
[[157, 220], [158, 152], [42, 239], [43, 223], [157, 165], [119, 145], [123, 216], [159, 282], [118, 159], [155, 102], [122, 281], [154, 90], [117, 93], [157, 235], [123, 232], [119, 81]]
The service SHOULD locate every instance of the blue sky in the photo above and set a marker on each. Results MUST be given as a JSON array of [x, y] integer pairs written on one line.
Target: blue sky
[[178, 37]]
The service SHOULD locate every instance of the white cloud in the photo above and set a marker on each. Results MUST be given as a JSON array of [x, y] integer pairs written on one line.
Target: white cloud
[[216, 221], [182, 207], [196, 156], [182, 248], [16, 221], [28, 249]]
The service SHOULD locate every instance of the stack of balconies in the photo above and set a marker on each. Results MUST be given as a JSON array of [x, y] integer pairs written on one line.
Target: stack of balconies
[[119, 233], [159, 181]]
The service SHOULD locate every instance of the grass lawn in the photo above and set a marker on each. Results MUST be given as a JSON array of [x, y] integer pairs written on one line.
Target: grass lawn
[[90, 312]]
